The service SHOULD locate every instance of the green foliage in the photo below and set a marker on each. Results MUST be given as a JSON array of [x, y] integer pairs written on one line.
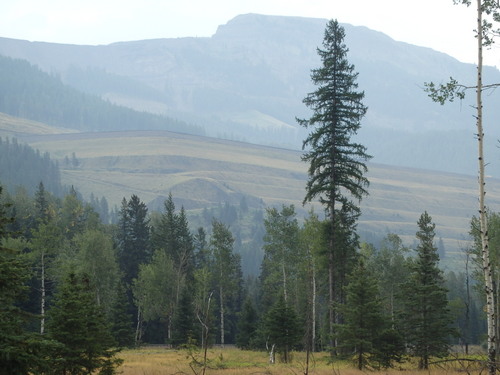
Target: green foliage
[[426, 319], [280, 266], [121, 320], [133, 237], [336, 163], [390, 267], [154, 291], [247, 326], [282, 328], [80, 326], [97, 259], [183, 319], [227, 278], [445, 92], [364, 320], [21, 165]]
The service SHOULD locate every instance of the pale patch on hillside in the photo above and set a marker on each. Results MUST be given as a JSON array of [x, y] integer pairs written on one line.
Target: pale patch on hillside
[[14, 126], [257, 120]]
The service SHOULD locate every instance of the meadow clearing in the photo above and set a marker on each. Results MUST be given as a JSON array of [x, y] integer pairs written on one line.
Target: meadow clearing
[[163, 361]]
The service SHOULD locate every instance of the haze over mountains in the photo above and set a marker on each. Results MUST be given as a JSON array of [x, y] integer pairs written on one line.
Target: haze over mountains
[[248, 80], [246, 83]]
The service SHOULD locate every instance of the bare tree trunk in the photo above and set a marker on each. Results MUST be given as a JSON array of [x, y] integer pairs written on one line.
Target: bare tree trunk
[[138, 329], [313, 309], [485, 253], [42, 302], [331, 283], [221, 291], [467, 306], [284, 280]]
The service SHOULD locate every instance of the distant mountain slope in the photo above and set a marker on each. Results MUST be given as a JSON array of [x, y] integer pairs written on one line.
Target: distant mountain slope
[[28, 92], [248, 80], [203, 172]]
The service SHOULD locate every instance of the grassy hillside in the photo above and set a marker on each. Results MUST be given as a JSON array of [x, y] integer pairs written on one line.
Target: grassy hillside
[[202, 172], [11, 126]]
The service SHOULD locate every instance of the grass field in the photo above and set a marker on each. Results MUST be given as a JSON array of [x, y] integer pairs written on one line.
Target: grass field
[[204, 172], [229, 361]]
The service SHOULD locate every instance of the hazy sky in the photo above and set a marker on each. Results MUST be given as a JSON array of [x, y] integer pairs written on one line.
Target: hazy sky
[[438, 24]]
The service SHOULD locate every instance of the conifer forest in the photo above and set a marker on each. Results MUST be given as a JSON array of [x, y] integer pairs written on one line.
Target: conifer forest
[[80, 281]]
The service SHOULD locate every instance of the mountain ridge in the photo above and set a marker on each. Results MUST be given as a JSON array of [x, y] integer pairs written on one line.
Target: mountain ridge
[[249, 78]]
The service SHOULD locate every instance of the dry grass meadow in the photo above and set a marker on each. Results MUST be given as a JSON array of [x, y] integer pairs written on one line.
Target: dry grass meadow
[[204, 172], [229, 361]]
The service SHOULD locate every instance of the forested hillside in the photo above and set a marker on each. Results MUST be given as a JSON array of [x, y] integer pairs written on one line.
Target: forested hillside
[[27, 92], [150, 279], [247, 82], [22, 166], [247, 258]]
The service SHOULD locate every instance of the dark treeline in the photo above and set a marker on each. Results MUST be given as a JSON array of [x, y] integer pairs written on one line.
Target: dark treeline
[[91, 286], [27, 92], [153, 280], [21, 165]]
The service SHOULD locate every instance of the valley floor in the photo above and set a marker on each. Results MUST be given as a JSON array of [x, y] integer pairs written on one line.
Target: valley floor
[[157, 360]]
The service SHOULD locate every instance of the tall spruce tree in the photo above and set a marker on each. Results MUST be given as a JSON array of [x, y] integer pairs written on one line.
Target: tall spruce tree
[[426, 318], [337, 164], [282, 327], [79, 325], [366, 327], [226, 275], [133, 237]]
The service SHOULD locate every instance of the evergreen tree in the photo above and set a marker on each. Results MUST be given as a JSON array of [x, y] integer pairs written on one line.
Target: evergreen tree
[[133, 237], [41, 204], [227, 276], [364, 321], [121, 320], [426, 318], [183, 319], [282, 328], [20, 352], [79, 325], [336, 163], [247, 325]]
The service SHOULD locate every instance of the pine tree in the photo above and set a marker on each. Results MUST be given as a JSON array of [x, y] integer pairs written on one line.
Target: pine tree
[[183, 319], [79, 325], [336, 163], [247, 325], [121, 320], [365, 323], [133, 237], [20, 351], [426, 319], [226, 275], [282, 328]]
